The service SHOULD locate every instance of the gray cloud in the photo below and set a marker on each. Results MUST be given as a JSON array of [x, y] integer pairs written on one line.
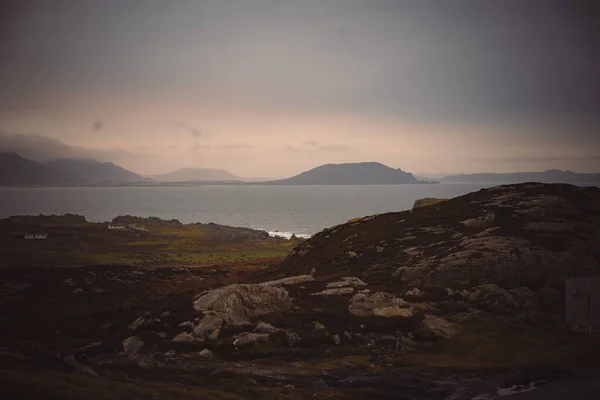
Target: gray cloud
[[416, 59]]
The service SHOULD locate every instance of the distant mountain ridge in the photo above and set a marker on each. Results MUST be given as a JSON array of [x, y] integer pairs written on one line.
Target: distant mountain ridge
[[17, 170], [196, 174], [548, 176], [364, 173], [93, 171]]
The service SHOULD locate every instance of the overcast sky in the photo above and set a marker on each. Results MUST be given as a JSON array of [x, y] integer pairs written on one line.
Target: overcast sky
[[273, 87]]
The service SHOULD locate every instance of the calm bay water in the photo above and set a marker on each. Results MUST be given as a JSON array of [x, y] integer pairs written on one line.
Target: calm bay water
[[295, 209]]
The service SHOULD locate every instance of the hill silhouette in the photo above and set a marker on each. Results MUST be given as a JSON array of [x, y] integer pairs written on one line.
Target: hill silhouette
[[196, 174], [364, 173]]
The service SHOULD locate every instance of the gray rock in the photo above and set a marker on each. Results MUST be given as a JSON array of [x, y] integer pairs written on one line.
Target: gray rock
[[187, 324], [132, 345], [485, 221], [336, 339], [291, 280], [379, 304], [263, 327], [184, 337], [318, 326], [414, 292], [214, 335], [293, 338], [433, 327], [335, 292], [347, 281], [206, 353], [137, 323], [236, 304], [247, 339], [208, 324]]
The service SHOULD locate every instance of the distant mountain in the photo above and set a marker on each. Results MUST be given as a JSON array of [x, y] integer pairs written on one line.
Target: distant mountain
[[548, 176], [365, 173], [16, 170], [196, 174], [92, 171]]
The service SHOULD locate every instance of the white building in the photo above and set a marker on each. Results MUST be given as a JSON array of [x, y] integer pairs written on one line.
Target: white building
[[111, 226], [36, 236]]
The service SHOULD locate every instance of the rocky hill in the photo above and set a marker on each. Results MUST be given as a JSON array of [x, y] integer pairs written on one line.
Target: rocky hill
[[526, 239], [196, 174]]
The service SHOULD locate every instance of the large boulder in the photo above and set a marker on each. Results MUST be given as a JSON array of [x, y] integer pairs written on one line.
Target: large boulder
[[132, 345], [236, 304], [380, 304], [433, 327]]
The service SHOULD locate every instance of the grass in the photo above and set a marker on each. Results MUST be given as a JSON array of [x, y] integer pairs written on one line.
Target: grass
[[32, 383], [492, 341], [72, 242]]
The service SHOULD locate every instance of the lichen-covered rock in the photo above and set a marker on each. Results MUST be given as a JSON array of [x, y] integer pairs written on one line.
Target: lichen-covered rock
[[514, 236], [380, 304], [433, 327], [236, 304], [132, 345], [493, 298]]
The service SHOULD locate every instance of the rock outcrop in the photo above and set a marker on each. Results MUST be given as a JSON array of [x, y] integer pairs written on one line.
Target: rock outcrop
[[529, 237], [379, 304], [433, 327], [236, 304]]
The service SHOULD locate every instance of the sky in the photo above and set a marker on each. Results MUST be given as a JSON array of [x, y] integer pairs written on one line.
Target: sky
[[270, 88]]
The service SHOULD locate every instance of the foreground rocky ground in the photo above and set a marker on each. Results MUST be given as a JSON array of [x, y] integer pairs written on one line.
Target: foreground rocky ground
[[458, 300]]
